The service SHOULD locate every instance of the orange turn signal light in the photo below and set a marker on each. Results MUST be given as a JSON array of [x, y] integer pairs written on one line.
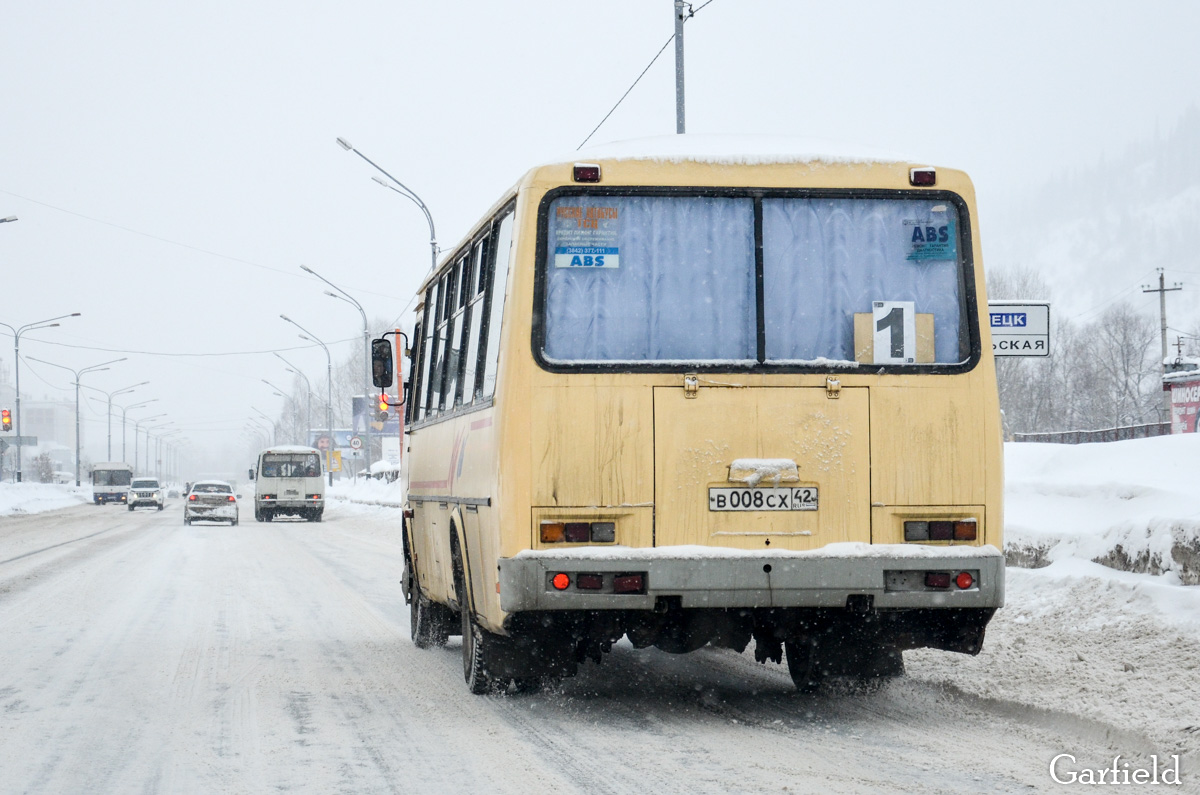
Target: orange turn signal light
[[552, 532]]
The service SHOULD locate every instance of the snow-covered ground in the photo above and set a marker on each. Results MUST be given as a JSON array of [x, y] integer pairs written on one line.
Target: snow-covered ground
[[23, 498], [141, 655]]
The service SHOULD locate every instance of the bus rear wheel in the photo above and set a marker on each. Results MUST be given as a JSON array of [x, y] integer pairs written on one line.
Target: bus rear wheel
[[802, 664]]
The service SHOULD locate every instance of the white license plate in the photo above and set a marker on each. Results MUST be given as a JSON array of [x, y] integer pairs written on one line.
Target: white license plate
[[800, 498]]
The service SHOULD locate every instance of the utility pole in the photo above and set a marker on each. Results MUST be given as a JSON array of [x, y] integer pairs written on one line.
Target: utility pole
[[680, 16], [1162, 291]]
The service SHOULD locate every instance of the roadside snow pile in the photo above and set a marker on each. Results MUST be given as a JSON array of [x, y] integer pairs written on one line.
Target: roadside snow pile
[[1132, 505], [369, 491], [25, 498]]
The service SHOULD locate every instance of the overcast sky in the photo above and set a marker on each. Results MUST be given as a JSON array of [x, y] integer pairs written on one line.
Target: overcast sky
[[172, 165]]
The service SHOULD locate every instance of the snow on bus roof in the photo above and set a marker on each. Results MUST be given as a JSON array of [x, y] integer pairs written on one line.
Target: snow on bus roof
[[290, 448], [733, 150]]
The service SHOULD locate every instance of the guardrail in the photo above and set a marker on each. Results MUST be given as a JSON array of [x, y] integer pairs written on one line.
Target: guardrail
[[1102, 435]]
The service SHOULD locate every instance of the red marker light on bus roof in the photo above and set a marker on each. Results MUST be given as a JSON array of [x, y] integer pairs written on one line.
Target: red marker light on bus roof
[[922, 177], [587, 172]]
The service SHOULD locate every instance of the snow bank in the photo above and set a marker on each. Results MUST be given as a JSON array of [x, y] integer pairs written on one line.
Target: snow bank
[[368, 491], [25, 498], [1131, 505]]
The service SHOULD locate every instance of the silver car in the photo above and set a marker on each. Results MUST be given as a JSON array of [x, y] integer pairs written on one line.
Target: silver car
[[210, 501]]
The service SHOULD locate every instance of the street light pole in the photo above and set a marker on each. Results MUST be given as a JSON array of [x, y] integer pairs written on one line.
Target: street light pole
[[148, 461], [291, 368], [17, 332], [281, 393], [125, 409], [368, 386], [403, 190], [78, 374], [328, 389], [110, 396], [136, 423], [274, 425]]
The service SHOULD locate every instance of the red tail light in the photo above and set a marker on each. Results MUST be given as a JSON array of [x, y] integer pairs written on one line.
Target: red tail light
[[586, 172], [922, 177], [629, 583], [577, 532], [589, 582], [232, 498], [192, 497], [561, 581], [964, 580], [937, 579]]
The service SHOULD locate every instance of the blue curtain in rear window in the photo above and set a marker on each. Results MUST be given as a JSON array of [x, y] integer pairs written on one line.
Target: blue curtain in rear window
[[826, 259], [682, 288]]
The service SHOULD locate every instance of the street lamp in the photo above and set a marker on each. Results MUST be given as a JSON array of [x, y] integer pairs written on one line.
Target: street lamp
[[110, 396], [125, 409], [17, 332], [328, 389], [283, 394], [274, 425], [403, 190], [158, 448], [136, 423], [95, 368], [368, 388], [259, 428], [166, 424], [294, 370]]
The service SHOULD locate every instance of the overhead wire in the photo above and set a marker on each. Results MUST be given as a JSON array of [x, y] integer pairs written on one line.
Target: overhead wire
[[187, 246], [691, 13]]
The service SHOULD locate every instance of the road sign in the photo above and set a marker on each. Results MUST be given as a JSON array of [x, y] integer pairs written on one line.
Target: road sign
[[1020, 328], [355, 442]]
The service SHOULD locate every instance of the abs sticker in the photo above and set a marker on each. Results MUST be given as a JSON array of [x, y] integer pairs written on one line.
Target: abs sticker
[[932, 238], [586, 237]]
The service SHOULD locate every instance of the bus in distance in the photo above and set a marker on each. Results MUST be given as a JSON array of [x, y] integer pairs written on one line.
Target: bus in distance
[[691, 393]]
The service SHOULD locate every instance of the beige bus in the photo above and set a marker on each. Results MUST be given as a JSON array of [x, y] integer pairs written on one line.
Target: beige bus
[[693, 392]]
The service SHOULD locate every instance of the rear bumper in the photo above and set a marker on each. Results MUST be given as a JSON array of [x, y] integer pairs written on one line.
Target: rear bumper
[[203, 512], [288, 504], [891, 575]]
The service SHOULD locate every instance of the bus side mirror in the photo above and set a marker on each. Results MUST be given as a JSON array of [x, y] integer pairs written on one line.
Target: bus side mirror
[[382, 369], [252, 474]]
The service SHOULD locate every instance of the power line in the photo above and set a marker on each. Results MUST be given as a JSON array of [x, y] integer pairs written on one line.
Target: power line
[[691, 13], [191, 355], [622, 99], [187, 246]]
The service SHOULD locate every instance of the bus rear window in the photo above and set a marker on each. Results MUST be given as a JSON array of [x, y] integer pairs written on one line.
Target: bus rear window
[[672, 280], [291, 465]]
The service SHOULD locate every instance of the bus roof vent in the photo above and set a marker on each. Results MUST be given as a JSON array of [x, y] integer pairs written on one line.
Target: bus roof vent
[[587, 172]]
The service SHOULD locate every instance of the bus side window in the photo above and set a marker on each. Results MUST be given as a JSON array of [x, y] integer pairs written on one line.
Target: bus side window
[[453, 332], [471, 334], [494, 303], [430, 368]]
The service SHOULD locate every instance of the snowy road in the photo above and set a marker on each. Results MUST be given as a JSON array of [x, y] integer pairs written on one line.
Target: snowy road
[[140, 655]]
